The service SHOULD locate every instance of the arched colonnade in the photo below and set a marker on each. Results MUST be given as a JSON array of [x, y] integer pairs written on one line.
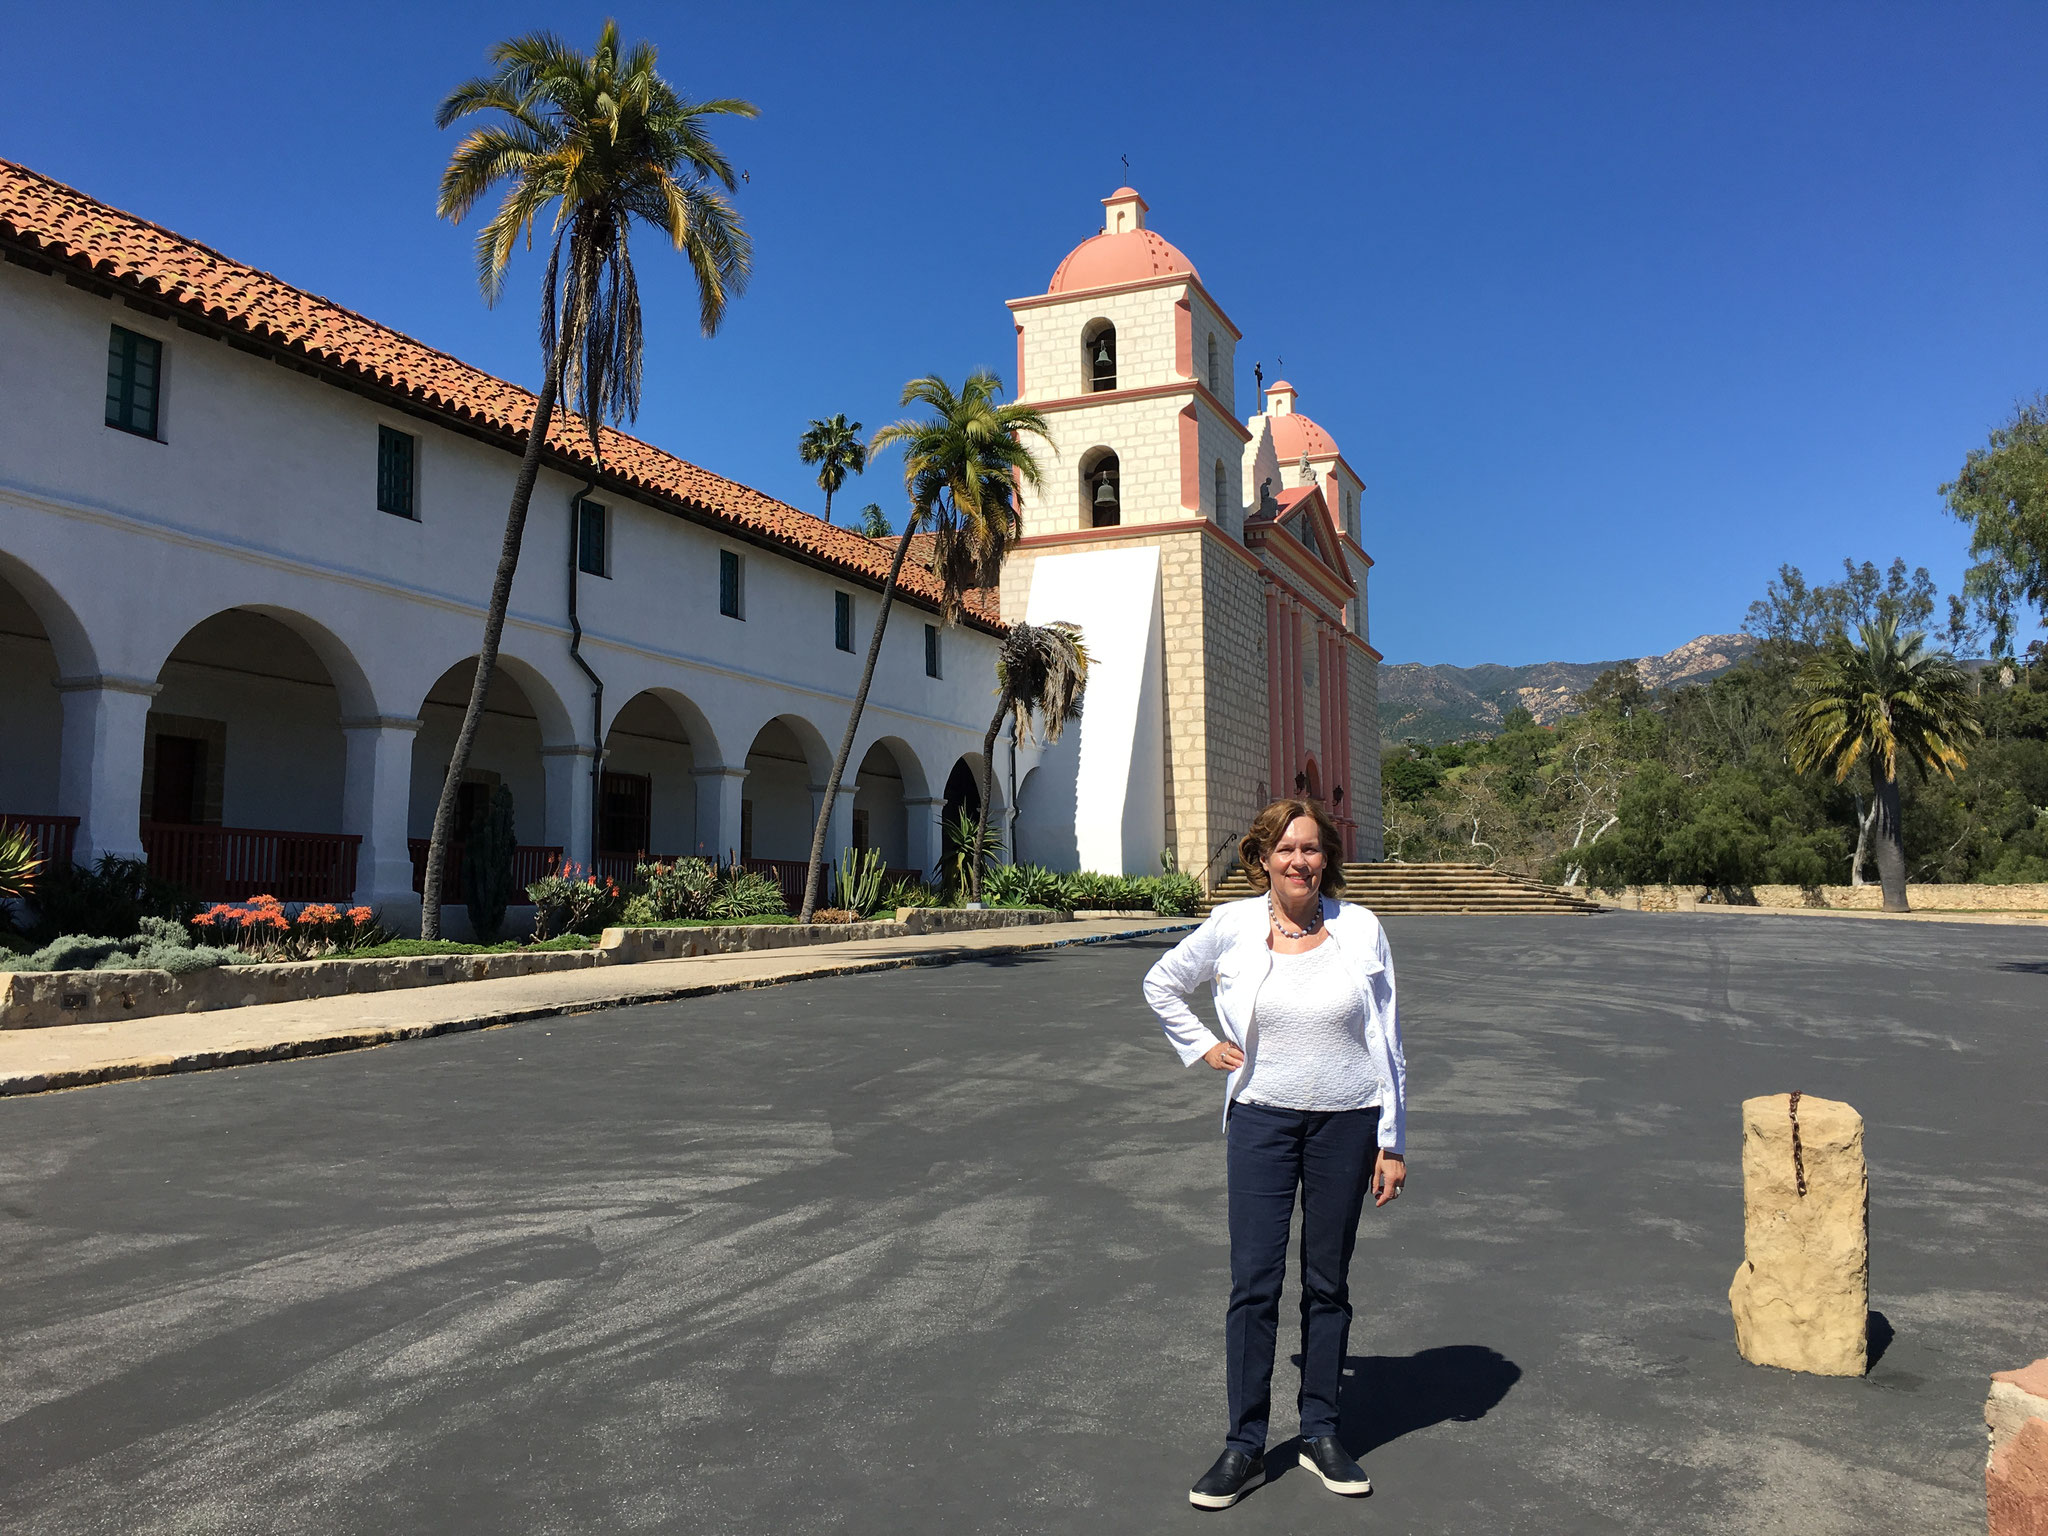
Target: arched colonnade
[[292, 746]]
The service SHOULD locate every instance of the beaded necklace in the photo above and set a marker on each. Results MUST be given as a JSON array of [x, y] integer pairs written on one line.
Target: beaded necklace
[[1314, 923]]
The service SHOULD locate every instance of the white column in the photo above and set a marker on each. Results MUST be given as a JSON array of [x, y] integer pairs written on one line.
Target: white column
[[718, 812], [99, 762], [569, 801], [923, 840], [376, 805]]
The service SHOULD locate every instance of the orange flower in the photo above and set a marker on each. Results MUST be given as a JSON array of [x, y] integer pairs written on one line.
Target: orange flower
[[361, 916]]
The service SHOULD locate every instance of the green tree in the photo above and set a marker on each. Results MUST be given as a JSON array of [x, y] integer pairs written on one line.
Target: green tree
[[964, 469], [2002, 493], [833, 445], [601, 140], [873, 524], [1041, 672], [1887, 700]]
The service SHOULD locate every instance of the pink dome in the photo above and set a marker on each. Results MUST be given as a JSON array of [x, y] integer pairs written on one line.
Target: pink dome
[[1294, 434], [1128, 256]]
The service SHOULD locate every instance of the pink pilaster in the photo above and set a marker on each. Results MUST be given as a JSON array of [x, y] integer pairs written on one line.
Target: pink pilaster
[[1276, 729]]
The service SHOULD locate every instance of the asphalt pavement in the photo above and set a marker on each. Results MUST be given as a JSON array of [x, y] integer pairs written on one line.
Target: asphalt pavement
[[942, 1250]]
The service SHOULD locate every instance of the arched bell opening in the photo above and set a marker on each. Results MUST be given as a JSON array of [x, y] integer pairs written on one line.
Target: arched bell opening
[[1098, 356], [1101, 489]]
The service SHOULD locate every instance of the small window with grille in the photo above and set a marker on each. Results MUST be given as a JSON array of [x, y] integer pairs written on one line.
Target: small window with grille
[[135, 365], [931, 650], [397, 456], [842, 620]]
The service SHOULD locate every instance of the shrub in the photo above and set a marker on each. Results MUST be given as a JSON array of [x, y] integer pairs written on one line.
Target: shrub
[[1173, 893], [106, 901], [565, 903], [1021, 885], [859, 879], [742, 893], [668, 893], [160, 944], [487, 850], [18, 863], [261, 928], [907, 893]]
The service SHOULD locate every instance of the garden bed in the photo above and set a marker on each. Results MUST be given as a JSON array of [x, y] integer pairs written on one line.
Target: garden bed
[[39, 999]]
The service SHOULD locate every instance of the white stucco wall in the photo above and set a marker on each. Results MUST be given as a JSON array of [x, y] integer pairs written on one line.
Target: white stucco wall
[[261, 494]]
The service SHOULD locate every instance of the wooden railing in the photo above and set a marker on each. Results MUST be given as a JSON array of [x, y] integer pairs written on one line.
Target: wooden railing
[[235, 863], [52, 835], [530, 862]]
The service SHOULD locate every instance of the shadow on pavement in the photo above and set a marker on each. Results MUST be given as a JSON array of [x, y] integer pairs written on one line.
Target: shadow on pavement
[[1878, 1329], [1387, 1396]]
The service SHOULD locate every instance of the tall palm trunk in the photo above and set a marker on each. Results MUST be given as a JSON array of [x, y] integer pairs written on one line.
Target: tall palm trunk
[[1891, 847], [828, 504], [860, 703], [988, 792], [494, 629]]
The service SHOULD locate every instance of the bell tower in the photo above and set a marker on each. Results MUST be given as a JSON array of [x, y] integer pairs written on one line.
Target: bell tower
[[1137, 536]]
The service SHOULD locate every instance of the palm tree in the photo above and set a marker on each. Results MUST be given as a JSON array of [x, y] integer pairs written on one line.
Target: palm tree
[[872, 524], [964, 470], [1883, 699], [835, 447], [603, 140], [1042, 670]]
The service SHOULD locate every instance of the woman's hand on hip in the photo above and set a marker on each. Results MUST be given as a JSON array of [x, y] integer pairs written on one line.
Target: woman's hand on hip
[[1224, 1056], [1389, 1173]]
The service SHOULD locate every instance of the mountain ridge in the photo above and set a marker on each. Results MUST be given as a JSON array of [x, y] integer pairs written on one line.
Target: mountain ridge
[[1433, 703]]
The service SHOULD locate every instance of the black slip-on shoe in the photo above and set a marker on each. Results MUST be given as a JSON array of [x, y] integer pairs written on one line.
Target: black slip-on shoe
[[1225, 1483], [1325, 1457]]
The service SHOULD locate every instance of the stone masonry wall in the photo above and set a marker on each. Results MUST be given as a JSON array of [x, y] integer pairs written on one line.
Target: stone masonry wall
[[1846, 898], [1235, 707], [1363, 793]]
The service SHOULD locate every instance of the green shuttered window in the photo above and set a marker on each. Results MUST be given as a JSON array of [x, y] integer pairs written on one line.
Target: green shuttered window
[[592, 557], [395, 454], [729, 593], [134, 378], [842, 620]]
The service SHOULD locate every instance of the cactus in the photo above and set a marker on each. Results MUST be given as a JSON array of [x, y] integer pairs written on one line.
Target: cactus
[[487, 866]]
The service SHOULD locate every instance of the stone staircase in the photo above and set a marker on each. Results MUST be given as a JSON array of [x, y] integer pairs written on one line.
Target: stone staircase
[[1472, 889]]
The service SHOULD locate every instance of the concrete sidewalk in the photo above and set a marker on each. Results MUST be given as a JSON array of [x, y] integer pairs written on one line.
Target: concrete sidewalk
[[78, 1055]]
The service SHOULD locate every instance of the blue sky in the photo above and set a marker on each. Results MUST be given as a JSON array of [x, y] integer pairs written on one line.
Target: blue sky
[[1614, 307]]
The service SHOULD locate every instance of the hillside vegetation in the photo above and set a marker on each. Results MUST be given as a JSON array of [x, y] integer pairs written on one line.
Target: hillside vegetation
[[1692, 784]]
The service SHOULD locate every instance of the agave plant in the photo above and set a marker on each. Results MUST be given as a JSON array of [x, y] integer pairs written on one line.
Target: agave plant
[[19, 863]]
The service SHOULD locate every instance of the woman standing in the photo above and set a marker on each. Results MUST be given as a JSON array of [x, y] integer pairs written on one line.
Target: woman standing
[[1304, 990]]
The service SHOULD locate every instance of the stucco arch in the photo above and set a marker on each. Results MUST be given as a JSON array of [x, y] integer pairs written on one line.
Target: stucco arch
[[916, 782], [358, 698], [817, 751], [76, 655], [557, 726], [704, 739]]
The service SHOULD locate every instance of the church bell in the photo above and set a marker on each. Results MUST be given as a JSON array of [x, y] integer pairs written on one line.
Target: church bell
[[1105, 491]]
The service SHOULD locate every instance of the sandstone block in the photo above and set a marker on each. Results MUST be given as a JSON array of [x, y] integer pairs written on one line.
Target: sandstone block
[[2016, 1474], [1802, 1296]]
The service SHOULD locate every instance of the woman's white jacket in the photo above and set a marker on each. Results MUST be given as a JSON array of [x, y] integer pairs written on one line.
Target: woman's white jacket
[[1230, 951]]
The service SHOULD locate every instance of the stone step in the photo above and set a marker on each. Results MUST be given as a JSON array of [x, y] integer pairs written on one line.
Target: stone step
[[1469, 889]]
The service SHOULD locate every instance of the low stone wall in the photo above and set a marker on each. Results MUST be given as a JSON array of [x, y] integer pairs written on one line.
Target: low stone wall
[[1838, 898], [39, 999]]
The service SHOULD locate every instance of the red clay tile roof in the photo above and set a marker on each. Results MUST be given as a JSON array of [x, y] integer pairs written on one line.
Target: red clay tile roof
[[69, 229]]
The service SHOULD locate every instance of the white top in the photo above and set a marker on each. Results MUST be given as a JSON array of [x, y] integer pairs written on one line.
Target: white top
[[1311, 1024], [1229, 952]]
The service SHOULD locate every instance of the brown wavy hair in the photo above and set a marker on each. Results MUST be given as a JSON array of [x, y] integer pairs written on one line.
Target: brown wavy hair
[[1275, 819]]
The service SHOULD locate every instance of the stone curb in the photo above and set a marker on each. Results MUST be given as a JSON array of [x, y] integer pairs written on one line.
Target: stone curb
[[352, 1040], [54, 999]]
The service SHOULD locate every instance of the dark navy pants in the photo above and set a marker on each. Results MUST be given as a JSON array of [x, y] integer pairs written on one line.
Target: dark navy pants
[[1328, 1157]]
